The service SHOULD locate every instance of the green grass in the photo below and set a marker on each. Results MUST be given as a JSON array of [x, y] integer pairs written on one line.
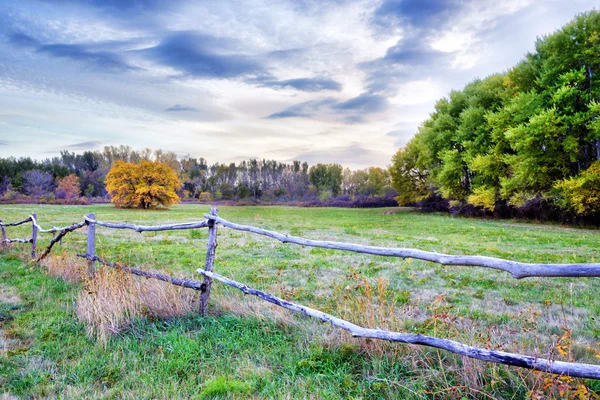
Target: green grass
[[236, 352]]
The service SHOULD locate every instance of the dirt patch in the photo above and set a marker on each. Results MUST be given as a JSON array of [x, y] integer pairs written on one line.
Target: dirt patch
[[8, 295]]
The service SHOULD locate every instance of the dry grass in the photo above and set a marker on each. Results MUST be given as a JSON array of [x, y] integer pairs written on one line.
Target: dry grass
[[111, 299], [65, 266]]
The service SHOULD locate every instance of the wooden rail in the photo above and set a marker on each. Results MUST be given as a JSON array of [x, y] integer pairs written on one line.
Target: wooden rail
[[517, 269]]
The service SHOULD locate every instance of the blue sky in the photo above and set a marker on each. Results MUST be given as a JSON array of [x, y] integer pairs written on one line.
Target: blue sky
[[320, 81]]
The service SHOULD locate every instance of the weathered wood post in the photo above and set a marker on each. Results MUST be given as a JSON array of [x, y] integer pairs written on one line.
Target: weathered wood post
[[34, 233], [4, 238], [91, 244], [210, 261]]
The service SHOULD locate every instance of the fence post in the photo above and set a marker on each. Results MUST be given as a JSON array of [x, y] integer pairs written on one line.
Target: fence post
[[4, 238], [34, 232], [210, 261], [91, 244]]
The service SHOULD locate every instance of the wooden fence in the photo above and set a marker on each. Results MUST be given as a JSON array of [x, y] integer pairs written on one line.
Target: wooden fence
[[518, 270]]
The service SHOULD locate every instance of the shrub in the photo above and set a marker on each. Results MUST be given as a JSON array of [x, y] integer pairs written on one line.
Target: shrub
[[205, 196], [581, 194], [483, 197]]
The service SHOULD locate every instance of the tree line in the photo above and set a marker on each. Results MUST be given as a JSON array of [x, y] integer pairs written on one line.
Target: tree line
[[72, 175], [527, 137]]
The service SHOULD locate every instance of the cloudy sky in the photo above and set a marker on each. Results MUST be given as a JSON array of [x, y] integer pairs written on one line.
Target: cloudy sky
[[320, 81]]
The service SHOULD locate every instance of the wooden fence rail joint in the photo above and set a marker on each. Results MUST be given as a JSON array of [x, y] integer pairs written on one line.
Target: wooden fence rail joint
[[58, 238], [210, 261]]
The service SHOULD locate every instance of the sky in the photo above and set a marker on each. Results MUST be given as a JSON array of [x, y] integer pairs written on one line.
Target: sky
[[334, 81]]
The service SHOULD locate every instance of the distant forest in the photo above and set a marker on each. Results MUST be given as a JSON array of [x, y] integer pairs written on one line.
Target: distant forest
[[521, 143], [80, 178]]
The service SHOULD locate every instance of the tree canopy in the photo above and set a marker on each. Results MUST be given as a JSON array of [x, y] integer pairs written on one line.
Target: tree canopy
[[531, 132], [147, 184]]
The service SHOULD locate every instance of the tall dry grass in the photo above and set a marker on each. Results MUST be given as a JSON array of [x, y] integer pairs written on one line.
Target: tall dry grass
[[65, 266], [371, 304], [113, 298]]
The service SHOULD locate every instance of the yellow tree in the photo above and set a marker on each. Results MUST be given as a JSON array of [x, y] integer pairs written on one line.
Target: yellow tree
[[144, 185]]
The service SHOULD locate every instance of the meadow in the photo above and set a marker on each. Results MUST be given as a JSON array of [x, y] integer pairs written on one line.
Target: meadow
[[249, 349]]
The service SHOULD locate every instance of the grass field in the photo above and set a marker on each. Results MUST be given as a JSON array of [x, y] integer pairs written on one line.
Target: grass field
[[246, 348]]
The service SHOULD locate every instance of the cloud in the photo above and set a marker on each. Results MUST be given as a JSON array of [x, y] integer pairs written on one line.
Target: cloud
[[352, 155], [205, 56], [4, 143], [85, 145], [414, 54], [181, 107], [354, 119], [127, 5], [22, 40], [306, 84], [417, 13], [409, 59], [304, 110], [365, 103], [102, 60]]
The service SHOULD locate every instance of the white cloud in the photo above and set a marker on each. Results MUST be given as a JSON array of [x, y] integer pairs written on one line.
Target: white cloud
[[49, 103]]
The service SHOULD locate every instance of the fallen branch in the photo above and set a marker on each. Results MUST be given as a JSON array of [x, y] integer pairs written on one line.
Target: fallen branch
[[518, 270], [499, 357], [151, 228], [184, 282], [58, 238], [17, 223]]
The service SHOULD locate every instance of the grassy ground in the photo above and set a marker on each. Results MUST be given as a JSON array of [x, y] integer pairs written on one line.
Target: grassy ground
[[247, 348]]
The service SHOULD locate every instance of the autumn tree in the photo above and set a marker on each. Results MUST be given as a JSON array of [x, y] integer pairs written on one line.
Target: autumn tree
[[144, 185], [68, 187]]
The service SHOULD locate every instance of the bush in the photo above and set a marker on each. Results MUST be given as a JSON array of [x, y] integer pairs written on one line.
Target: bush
[[483, 197], [345, 201], [434, 203], [205, 196], [581, 194]]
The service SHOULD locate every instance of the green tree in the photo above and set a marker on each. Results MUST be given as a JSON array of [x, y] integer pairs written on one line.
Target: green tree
[[326, 177]]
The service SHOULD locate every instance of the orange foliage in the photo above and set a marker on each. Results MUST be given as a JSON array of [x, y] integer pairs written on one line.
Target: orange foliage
[[69, 185], [144, 185]]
